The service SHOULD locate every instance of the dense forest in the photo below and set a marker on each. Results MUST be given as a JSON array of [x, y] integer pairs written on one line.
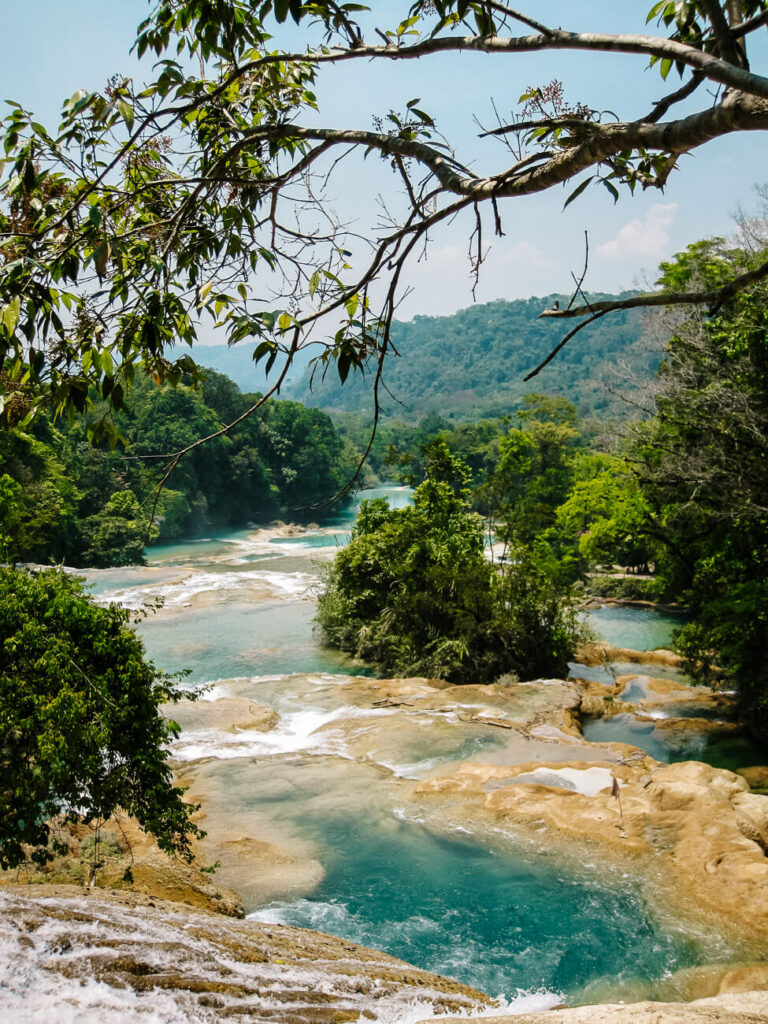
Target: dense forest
[[472, 364], [677, 497], [64, 499]]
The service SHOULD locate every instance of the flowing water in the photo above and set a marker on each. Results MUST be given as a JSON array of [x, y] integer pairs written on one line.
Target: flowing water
[[328, 783]]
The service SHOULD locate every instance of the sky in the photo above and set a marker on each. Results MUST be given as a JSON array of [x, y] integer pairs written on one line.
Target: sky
[[53, 48]]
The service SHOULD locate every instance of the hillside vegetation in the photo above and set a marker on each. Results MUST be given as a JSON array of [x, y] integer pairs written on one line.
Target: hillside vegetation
[[472, 364]]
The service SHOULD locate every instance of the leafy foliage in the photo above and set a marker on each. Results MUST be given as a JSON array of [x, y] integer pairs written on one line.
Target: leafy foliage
[[702, 465], [81, 733], [153, 205], [414, 593], [67, 500], [471, 364]]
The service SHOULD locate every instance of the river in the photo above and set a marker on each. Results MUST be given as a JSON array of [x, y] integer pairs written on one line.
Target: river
[[312, 819]]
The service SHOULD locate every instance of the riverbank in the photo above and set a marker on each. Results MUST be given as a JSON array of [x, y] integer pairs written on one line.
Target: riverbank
[[434, 822], [691, 836]]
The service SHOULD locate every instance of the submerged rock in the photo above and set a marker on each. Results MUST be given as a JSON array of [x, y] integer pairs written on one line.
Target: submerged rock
[[756, 776]]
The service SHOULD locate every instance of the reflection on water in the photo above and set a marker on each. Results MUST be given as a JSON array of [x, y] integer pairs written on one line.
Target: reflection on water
[[665, 743]]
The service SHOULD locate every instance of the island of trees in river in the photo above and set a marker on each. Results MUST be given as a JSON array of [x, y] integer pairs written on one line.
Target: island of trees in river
[[677, 493]]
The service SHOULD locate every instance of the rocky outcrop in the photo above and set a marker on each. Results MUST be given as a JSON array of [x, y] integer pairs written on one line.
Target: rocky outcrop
[[123, 956], [697, 829], [745, 1008], [602, 654], [227, 714]]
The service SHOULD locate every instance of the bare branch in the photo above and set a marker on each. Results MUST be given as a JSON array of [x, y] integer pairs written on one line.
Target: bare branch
[[680, 94], [713, 298]]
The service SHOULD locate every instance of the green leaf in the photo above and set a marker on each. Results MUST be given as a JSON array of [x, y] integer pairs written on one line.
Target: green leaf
[[126, 112], [101, 258], [577, 191], [11, 314]]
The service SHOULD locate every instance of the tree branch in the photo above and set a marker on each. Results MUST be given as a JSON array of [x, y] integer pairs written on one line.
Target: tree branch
[[713, 298]]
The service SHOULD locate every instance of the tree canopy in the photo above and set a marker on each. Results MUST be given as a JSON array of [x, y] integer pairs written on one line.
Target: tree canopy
[[414, 593], [81, 732], [200, 192], [87, 505]]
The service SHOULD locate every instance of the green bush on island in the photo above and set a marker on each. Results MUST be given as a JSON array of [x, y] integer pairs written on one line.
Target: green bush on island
[[81, 732], [414, 593]]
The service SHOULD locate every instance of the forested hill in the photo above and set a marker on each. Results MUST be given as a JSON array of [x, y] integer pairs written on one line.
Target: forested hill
[[472, 364]]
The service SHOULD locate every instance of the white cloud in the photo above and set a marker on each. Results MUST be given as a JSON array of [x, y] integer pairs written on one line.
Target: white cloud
[[643, 239], [442, 283]]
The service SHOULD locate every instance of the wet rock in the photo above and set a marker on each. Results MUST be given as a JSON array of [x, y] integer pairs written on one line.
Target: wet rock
[[603, 653], [745, 979], [77, 956], [735, 1008], [685, 822], [227, 714]]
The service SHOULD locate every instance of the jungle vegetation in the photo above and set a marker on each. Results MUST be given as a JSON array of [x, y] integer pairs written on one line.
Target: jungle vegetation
[[63, 498]]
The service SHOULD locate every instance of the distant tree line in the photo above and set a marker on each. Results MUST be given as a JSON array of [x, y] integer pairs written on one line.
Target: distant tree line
[[470, 365], [678, 497], [65, 499]]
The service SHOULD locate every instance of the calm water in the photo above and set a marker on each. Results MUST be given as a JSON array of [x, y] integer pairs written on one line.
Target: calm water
[[639, 629], [668, 744], [240, 604]]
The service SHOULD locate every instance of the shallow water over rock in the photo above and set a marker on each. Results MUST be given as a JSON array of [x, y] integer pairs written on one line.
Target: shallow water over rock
[[306, 772]]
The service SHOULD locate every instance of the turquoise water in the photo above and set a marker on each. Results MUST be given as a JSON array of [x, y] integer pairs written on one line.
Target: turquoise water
[[268, 638], [317, 540], [639, 629], [497, 920], [728, 750]]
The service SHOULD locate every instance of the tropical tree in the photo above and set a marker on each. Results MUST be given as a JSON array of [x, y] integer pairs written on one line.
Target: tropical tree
[[702, 467], [81, 733], [606, 515], [414, 593], [156, 204]]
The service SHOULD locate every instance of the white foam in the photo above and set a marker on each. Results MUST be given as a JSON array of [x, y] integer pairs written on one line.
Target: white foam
[[53, 952], [587, 781], [178, 593], [303, 730], [336, 918]]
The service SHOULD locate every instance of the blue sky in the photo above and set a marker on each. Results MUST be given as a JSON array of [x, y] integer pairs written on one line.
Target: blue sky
[[52, 48]]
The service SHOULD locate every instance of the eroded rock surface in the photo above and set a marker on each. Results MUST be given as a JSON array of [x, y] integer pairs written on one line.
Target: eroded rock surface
[[127, 958], [99, 860], [746, 1008], [698, 827]]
